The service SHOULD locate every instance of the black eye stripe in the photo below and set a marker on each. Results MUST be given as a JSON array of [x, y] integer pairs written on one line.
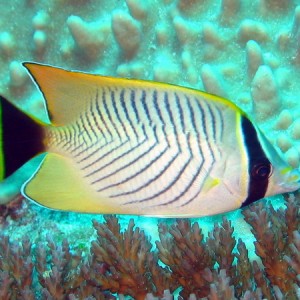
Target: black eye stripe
[[257, 186]]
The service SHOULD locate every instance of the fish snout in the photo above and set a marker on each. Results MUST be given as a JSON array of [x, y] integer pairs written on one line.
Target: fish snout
[[290, 180]]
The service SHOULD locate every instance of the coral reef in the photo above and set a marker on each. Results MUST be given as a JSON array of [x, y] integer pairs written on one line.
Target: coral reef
[[124, 261], [128, 261], [247, 51], [16, 269]]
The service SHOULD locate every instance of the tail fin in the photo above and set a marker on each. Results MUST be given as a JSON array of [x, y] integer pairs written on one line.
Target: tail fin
[[21, 138]]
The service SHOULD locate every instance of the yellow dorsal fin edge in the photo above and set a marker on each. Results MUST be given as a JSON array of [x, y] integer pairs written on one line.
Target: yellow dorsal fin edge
[[67, 93]]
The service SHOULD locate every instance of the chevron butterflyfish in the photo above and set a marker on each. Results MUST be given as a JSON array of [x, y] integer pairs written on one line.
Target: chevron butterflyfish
[[136, 147]]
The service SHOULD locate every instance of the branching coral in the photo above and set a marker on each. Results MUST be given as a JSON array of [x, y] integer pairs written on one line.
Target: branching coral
[[124, 262], [277, 233], [61, 275], [132, 268], [15, 269], [206, 267], [182, 248]]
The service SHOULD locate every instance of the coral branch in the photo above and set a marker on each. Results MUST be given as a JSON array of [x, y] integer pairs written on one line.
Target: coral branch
[[182, 248], [243, 269], [221, 243], [15, 261], [273, 232], [294, 259], [130, 265]]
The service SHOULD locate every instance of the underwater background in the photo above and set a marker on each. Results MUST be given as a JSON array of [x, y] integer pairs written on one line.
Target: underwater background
[[246, 51]]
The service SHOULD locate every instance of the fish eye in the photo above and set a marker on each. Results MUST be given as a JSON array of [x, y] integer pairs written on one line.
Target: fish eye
[[262, 170]]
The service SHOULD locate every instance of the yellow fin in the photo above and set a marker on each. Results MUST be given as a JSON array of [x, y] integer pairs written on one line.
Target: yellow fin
[[57, 185], [68, 93], [210, 183], [61, 89]]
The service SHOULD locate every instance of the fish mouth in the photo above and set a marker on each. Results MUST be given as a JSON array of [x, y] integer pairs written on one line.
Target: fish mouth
[[291, 180]]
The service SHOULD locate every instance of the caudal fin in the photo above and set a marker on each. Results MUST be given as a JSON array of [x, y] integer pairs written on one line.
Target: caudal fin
[[21, 138]]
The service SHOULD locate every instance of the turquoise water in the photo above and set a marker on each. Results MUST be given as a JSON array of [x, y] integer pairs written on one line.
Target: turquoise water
[[244, 50]]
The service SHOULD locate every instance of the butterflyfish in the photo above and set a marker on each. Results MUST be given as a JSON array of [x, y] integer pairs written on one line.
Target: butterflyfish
[[137, 147]]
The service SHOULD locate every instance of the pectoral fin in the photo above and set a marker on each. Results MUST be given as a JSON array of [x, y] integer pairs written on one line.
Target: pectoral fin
[[210, 183]]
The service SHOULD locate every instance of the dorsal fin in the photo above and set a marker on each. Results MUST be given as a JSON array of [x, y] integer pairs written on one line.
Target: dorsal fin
[[67, 92], [62, 89]]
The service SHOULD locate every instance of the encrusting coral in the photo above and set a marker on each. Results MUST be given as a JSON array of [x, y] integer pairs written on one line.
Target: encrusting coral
[[125, 263]]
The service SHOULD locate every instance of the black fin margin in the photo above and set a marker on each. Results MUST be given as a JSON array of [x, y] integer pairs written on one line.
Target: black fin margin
[[22, 137]]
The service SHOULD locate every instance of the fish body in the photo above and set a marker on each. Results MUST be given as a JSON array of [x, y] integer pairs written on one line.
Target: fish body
[[144, 148]]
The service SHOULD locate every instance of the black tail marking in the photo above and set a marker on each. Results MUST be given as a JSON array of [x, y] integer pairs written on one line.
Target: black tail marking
[[22, 137]]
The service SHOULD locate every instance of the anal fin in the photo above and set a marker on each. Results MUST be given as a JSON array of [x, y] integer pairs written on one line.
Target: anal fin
[[58, 184]]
